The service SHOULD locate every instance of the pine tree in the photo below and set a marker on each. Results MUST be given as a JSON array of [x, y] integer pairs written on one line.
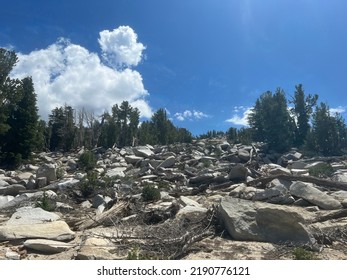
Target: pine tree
[[303, 108], [271, 122]]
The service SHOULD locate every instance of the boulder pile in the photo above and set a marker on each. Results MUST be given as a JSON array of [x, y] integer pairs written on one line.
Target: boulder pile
[[208, 199]]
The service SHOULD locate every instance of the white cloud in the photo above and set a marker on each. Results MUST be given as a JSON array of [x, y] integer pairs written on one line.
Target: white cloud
[[242, 119], [339, 110], [120, 46], [66, 73], [190, 115]]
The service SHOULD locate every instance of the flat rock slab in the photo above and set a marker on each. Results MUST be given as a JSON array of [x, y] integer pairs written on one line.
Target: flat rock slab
[[47, 246], [314, 196], [29, 216], [58, 230]]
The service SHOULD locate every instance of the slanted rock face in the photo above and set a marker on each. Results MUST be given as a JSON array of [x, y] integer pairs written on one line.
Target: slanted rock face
[[256, 221], [314, 196]]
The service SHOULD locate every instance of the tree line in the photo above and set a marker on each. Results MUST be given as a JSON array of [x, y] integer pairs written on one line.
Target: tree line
[[300, 122], [23, 132], [282, 124]]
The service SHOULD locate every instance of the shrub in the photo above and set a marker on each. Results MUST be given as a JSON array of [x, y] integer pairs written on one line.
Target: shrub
[[322, 170], [87, 161], [150, 193], [89, 184], [302, 254], [46, 203]]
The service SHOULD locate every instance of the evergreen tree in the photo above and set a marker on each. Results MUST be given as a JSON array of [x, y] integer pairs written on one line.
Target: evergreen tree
[[303, 108], [18, 113], [328, 136], [23, 120], [62, 129], [271, 122]]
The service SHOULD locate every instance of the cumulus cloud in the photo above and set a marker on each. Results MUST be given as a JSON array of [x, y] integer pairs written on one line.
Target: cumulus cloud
[[120, 47], [66, 73], [190, 115], [240, 116]]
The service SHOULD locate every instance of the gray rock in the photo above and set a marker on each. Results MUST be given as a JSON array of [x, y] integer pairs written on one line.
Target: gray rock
[[243, 155], [340, 177], [314, 196], [201, 179], [47, 170], [29, 215], [185, 201], [96, 249], [41, 182], [225, 146], [142, 151], [238, 172], [12, 189], [278, 170], [132, 159], [98, 200], [5, 199], [58, 230], [24, 176], [11, 255], [68, 183], [168, 162], [47, 246], [3, 183], [116, 172], [256, 221], [191, 213], [297, 165], [278, 190]]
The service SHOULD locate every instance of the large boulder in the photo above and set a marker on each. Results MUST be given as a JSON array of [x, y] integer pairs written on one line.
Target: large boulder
[[238, 172], [47, 170], [257, 221], [143, 151], [27, 223], [29, 215], [308, 192], [168, 162], [12, 189]]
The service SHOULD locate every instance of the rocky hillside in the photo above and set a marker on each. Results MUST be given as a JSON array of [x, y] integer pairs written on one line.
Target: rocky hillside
[[205, 200]]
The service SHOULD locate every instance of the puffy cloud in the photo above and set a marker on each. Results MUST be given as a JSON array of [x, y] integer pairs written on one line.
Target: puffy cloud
[[120, 46], [242, 119], [190, 115], [66, 73]]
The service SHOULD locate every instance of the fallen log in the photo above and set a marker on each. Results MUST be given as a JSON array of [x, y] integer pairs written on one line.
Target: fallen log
[[261, 182]]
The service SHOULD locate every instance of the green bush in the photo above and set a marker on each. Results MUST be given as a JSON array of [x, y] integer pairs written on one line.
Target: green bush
[[302, 254], [322, 170], [46, 203], [87, 161], [89, 184], [150, 193]]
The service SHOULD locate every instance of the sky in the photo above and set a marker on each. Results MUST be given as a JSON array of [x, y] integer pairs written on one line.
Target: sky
[[204, 61]]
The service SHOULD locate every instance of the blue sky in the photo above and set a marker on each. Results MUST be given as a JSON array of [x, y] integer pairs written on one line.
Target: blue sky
[[205, 61]]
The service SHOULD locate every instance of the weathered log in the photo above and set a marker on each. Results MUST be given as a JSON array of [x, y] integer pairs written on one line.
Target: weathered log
[[261, 182], [106, 218]]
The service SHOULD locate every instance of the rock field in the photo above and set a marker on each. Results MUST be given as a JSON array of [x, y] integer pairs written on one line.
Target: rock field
[[217, 201]]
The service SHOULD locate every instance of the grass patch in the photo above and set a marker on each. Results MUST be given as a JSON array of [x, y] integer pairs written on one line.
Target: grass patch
[[323, 170]]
